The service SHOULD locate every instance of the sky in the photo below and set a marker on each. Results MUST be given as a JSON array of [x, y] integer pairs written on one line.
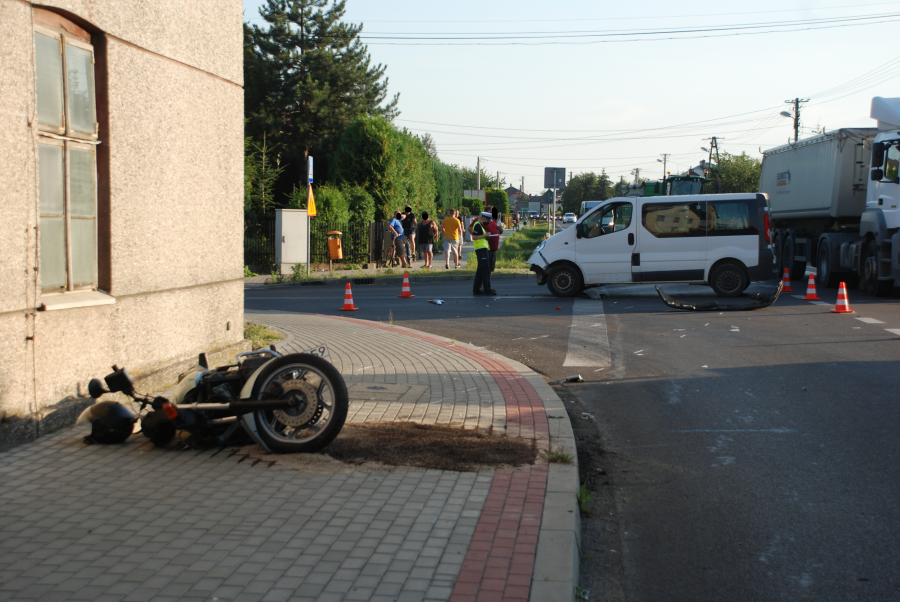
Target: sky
[[592, 85]]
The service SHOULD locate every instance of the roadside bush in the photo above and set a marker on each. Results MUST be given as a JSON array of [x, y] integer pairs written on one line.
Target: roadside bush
[[391, 166]]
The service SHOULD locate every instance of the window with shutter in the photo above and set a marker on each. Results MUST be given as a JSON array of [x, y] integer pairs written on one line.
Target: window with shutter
[[67, 165]]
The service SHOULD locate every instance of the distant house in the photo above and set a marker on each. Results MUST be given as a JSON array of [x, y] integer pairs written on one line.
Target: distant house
[[121, 238]]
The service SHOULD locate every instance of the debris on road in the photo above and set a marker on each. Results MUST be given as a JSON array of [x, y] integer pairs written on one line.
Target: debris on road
[[436, 301], [757, 301], [575, 378]]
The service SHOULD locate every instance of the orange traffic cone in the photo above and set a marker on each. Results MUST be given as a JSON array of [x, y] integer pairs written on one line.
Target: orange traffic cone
[[786, 287], [811, 290], [405, 293], [842, 306], [348, 300]]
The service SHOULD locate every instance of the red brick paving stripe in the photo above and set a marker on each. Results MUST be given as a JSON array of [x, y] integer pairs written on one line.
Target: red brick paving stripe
[[500, 560]]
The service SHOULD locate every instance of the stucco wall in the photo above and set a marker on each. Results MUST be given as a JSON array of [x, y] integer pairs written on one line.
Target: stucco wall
[[173, 135], [17, 155], [206, 34], [175, 145]]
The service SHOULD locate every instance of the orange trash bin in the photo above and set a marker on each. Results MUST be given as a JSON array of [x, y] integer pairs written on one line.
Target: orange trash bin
[[334, 245]]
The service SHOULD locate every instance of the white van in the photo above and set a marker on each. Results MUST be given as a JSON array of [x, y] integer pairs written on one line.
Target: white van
[[722, 240]]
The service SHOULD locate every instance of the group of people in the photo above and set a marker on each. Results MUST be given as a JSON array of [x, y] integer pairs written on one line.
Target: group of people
[[409, 234]]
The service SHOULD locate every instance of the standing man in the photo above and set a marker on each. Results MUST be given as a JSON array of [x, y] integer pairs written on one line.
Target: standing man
[[482, 284], [398, 238], [409, 231], [495, 229], [452, 228]]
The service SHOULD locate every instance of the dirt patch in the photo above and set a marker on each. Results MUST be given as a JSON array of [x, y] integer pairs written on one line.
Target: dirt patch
[[427, 446], [410, 446]]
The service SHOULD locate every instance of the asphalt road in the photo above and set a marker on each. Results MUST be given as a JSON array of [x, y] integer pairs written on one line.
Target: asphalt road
[[750, 455]]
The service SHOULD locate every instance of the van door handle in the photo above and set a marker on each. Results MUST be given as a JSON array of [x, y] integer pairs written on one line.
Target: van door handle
[[630, 238], [636, 259]]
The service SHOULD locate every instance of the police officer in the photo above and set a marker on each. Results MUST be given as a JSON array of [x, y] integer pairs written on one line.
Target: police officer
[[480, 235]]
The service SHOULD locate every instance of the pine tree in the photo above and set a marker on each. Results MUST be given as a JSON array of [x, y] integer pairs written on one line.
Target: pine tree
[[307, 76]]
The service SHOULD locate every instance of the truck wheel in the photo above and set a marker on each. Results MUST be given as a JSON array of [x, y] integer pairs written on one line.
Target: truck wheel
[[564, 281], [825, 276], [728, 280], [869, 277], [796, 268]]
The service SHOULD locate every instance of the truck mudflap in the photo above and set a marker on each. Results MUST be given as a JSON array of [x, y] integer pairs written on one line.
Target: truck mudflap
[[757, 301]]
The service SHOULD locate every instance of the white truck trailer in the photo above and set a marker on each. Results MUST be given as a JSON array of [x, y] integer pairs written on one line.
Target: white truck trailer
[[834, 201]]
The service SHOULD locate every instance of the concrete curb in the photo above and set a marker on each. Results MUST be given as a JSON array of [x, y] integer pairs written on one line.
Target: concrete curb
[[392, 280], [558, 556]]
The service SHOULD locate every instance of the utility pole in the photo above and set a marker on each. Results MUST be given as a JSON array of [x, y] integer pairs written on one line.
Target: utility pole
[[498, 180], [665, 157], [478, 174], [797, 102]]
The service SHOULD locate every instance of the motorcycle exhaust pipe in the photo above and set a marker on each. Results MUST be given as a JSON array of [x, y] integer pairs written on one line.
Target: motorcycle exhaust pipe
[[243, 406]]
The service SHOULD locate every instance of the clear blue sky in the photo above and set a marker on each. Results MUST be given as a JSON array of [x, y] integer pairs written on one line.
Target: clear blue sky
[[526, 106]]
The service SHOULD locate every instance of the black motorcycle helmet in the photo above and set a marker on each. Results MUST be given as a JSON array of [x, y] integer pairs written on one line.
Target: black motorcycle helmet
[[111, 422]]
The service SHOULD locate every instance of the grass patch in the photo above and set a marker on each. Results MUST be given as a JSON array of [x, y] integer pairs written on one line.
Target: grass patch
[[428, 446], [260, 336], [558, 456], [584, 498]]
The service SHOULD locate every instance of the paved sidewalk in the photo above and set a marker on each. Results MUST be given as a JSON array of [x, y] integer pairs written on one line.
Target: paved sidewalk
[[133, 522]]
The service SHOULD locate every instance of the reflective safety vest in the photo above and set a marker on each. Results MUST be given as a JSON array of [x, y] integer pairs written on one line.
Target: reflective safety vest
[[478, 230]]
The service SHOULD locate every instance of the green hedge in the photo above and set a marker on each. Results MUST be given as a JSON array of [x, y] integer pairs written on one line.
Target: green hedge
[[499, 199], [391, 166], [448, 185]]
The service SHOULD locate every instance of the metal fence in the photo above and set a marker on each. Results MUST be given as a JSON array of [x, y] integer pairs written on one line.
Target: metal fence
[[354, 240], [259, 242]]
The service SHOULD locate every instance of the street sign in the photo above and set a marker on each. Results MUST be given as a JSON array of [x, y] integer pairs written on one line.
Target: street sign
[[559, 172], [310, 172]]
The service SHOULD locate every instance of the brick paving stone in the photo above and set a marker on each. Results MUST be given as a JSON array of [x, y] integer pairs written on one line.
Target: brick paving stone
[[141, 522]]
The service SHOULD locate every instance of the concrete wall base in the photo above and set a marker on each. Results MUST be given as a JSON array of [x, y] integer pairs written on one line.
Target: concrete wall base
[[18, 430]]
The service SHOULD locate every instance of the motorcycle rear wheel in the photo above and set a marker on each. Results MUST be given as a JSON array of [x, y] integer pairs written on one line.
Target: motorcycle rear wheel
[[320, 411]]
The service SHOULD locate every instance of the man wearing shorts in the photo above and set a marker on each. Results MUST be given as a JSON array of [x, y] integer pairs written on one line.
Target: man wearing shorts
[[398, 238], [451, 227]]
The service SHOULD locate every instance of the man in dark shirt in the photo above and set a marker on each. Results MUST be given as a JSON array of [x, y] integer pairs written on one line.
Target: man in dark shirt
[[409, 231], [495, 229]]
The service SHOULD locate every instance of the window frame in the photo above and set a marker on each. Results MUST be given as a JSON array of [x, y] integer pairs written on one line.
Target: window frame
[[69, 34], [598, 215]]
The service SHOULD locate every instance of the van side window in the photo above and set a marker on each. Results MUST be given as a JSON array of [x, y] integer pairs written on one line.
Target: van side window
[[669, 220], [615, 217], [732, 218]]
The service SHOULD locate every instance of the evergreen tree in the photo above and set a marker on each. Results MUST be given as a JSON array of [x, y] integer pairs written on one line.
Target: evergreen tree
[[307, 77]]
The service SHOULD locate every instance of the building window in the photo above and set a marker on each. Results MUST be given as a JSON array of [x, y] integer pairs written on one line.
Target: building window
[[67, 159]]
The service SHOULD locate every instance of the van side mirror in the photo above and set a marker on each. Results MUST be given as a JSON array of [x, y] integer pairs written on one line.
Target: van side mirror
[[579, 230], [876, 175]]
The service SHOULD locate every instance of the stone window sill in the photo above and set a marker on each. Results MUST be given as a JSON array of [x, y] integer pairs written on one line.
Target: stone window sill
[[75, 299]]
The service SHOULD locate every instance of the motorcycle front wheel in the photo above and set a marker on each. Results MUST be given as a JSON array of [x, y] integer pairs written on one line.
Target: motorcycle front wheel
[[320, 403]]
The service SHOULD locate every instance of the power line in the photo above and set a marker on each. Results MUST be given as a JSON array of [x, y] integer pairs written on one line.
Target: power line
[[639, 18], [610, 36]]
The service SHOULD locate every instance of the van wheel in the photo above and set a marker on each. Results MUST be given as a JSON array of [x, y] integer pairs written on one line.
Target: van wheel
[[564, 281], [728, 280]]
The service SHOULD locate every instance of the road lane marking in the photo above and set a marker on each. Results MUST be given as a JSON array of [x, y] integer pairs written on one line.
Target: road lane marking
[[588, 340], [870, 320], [895, 331]]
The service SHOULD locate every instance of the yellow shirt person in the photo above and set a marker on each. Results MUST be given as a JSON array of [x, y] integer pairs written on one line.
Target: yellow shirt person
[[451, 227]]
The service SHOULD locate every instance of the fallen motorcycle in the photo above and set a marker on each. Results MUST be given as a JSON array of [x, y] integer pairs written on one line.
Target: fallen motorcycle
[[286, 403]]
